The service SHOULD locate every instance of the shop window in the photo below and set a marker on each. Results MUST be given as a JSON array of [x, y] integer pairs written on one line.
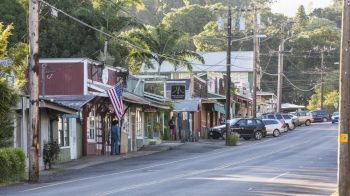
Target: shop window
[[63, 131], [92, 126], [138, 123]]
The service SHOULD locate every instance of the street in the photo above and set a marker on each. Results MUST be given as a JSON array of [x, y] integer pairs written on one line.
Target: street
[[299, 162]]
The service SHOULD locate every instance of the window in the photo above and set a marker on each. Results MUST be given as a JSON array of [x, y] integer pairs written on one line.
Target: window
[[287, 117], [266, 122], [271, 117], [242, 123], [63, 131], [92, 125], [279, 117], [139, 123], [251, 122], [274, 122], [259, 122]]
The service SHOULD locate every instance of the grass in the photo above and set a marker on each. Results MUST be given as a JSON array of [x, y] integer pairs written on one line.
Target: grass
[[233, 139]]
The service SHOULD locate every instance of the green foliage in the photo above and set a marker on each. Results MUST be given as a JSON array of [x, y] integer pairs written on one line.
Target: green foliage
[[13, 12], [162, 44], [233, 139], [12, 164], [8, 91], [190, 19], [50, 152], [210, 39]]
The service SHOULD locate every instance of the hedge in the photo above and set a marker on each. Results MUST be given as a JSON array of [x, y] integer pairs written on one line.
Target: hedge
[[12, 164]]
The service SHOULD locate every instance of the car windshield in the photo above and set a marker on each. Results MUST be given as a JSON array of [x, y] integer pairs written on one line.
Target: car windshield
[[335, 113], [233, 121], [286, 116]]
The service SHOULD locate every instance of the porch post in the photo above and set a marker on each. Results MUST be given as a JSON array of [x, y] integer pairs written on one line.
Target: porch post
[[84, 131]]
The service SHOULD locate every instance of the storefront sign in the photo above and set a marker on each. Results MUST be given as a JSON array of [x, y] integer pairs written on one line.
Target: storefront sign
[[70, 116], [178, 92], [150, 110]]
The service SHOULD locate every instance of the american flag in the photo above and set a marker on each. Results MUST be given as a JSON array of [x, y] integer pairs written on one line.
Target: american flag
[[115, 95]]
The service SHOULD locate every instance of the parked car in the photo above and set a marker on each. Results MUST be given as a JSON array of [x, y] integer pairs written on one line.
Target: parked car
[[275, 116], [305, 117], [249, 128], [335, 117], [217, 132], [274, 127], [320, 116], [295, 120], [290, 123]]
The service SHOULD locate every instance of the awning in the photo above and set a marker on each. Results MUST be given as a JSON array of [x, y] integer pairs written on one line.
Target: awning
[[219, 108], [73, 101], [186, 106]]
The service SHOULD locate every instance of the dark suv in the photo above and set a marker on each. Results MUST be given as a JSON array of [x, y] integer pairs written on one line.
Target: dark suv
[[245, 127], [249, 128], [320, 116]]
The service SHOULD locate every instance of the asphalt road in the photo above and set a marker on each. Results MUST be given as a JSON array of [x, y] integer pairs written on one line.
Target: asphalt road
[[300, 162]]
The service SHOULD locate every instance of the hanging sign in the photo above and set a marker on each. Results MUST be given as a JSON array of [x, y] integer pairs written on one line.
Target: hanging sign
[[178, 92]]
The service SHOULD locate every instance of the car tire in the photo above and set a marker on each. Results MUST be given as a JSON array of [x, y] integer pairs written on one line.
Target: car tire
[[324, 119], [307, 123], [216, 136], [276, 133], [288, 128], [247, 138], [258, 135]]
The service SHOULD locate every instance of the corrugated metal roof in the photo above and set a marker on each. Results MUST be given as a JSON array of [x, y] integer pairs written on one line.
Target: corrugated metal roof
[[242, 61], [186, 105], [73, 101]]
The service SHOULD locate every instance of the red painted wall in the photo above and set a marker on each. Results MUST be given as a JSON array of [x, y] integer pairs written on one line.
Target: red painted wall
[[63, 79]]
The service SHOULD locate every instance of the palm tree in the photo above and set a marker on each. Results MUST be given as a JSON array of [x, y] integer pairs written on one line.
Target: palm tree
[[161, 44]]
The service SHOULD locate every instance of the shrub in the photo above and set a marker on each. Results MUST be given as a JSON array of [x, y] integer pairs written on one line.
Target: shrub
[[12, 164], [50, 151], [233, 139]]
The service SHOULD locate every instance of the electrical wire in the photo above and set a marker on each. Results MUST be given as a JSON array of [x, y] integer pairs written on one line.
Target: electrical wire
[[304, 90]]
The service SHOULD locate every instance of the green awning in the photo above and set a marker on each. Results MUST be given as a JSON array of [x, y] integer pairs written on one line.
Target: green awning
[[219, 108]]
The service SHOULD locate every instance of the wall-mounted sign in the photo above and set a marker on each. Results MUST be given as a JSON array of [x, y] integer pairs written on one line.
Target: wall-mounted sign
[[178, 92], [149, 110], [70, 116]]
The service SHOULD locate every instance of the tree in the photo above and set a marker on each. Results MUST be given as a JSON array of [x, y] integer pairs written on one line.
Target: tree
[[161, 45], [8, 90], [13, 12], [301, 17], [190, 19], [210, 39]]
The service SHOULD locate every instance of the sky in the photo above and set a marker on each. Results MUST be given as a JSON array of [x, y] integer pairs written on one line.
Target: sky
[[289, 7]]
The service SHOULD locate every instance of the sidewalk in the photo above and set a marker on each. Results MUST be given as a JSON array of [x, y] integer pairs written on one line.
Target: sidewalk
[[100, 159]]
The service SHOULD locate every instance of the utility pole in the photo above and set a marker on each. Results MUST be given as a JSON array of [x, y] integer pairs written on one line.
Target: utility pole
[[280, 72], [34, 90], [255, 61], [322, 82], [105, 51], [344, 119], [228, 73]]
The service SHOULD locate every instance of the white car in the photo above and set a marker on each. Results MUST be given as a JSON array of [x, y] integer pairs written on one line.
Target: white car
[[274, 127], [289, 121]]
